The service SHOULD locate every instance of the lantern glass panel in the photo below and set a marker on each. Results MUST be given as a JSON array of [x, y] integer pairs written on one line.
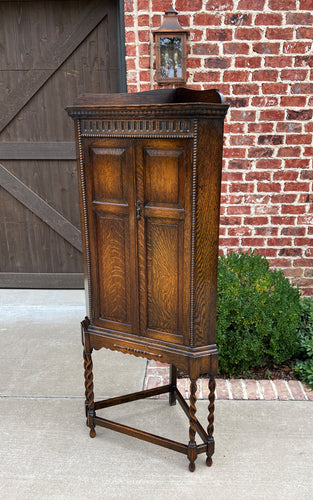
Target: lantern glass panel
[[171, 57]]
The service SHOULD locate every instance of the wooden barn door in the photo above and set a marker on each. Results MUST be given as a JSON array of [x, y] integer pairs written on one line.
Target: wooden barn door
[[51, 51]]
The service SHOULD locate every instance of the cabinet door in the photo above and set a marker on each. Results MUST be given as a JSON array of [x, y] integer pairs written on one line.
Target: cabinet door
[[110, 180], [164, 171]]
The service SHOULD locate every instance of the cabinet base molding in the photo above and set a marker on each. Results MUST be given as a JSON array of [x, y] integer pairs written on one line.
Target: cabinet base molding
[[195, 361]]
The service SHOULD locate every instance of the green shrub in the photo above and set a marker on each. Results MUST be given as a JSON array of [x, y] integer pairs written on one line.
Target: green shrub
[[258, 314], [304, 365]]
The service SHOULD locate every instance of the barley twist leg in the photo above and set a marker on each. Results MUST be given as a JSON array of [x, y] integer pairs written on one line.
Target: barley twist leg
[[192, 446], [210, 429], [89, 403]]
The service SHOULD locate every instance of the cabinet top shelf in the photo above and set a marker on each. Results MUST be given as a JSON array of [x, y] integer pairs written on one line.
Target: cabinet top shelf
[[163, 100]]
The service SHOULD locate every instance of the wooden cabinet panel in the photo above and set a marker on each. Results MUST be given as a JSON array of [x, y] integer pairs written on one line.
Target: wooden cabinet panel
[[113, 268], [109, 172], [164, 177], [110, 193], [164, 168], [164, 280]]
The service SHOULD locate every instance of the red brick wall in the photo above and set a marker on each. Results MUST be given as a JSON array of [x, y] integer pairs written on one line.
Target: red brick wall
[[259, 54]]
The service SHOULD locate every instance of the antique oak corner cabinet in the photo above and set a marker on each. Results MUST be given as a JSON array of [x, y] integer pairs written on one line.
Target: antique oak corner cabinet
[[150, 174]]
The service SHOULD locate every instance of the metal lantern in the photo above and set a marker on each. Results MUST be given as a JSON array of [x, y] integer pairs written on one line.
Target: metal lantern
[[170, 46]]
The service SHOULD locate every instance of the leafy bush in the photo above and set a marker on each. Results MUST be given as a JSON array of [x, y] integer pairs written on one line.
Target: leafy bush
[[304, 365], [258, 313]]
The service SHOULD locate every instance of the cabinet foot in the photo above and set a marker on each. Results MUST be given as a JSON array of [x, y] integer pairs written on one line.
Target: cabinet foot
[[192, 466]]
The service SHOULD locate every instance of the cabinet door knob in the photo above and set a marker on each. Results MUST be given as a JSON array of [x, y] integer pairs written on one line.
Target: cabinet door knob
[[138, 209]]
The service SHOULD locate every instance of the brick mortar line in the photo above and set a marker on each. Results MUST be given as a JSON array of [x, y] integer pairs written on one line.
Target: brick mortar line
[[288, 389], [244, 389], [274, 389], [302, 389], [228, 385], [260, 390], [266, 9]]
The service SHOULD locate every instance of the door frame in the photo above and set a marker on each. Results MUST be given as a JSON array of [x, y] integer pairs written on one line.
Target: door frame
[[121, 46]]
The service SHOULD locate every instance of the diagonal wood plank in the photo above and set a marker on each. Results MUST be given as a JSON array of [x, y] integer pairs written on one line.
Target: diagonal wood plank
[[40, 208], [55, 54]]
